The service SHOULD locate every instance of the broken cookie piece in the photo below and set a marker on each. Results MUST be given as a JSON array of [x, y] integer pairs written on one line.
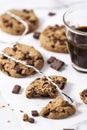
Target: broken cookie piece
[[83, 96], [41, 87], [58, 109]]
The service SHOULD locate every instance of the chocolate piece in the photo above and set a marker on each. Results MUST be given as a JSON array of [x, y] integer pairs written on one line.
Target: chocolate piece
[[25, 10], [36, 35], [51, 14], [57, 64], [16, 89], [51, 59], [31, 120], [30, 62], [4, 57], [27, 17], [34, 113], [9, 25], [18, 70]]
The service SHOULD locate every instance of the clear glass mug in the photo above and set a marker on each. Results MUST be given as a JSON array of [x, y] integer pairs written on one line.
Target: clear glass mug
[[75, 21]]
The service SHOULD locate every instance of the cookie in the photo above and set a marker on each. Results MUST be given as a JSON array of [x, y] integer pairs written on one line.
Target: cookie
[[41, 87], [53, 38], [24, 53], [12, 26], [83, 96], [58, 109]]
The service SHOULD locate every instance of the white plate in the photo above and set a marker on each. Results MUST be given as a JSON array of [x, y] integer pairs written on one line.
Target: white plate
[[76, 81]]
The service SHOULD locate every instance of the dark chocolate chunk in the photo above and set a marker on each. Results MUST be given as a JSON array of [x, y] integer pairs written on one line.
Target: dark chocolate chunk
[[33, 21], [5, 20], [27, 17], [36, 35], [18, 31], [51, 14], [51, 59], [57, 64], [55, 40], [25, 10], [14, 48], [9, 25], [52, 46], [4, 57], [18, 70], [16, 89], [31, 120], [35, 113], [30, 62]]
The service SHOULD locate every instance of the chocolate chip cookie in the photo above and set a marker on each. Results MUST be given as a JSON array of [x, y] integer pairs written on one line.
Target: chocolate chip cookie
[[58, 109], [12, 26], [41, 87], [24, 53], [53, 38], [83, 96]]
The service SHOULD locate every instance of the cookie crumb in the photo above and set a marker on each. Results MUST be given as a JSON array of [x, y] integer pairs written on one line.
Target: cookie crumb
[[31, 120], [51, 14], [21, 111], [16, 89], [68, 129], [25, 117], [36, 35], [8, 121], [34, 113]]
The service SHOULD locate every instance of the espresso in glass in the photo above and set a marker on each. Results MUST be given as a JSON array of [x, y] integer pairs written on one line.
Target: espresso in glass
[[77, 45], [75, 21]]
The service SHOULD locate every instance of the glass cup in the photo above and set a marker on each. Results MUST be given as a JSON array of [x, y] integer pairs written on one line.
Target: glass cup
[[75, 21]]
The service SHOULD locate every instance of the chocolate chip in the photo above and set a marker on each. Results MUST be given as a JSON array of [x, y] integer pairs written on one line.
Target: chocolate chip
[[52, 46], [5, 20], [4, 57], [18, 31], [36, 35], [33, 21], [16, 89], [35, 113], [9, 25], [51, 59], [25, 10], [26, 56], [18, 70], [27, 17], [55, 40], [31, 120], [51, 14], [30, 62], [14, 49], [57, 64]]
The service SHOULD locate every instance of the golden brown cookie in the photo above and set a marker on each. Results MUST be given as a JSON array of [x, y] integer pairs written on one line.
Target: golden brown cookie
[[24, 53], [53, 38], [83, 96], [12, 26], [41, 87], [58, 109]]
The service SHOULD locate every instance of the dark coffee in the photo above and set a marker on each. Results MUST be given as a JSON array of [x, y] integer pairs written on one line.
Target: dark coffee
[[77, 44]]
